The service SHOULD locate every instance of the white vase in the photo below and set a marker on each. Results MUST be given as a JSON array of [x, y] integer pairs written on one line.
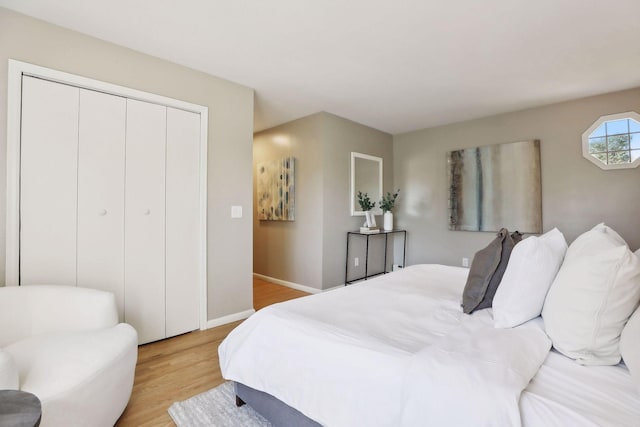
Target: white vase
[[388, 221]]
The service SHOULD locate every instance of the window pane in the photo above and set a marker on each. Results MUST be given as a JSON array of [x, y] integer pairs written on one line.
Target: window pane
[[635, 141], [619, 157], [618, 142], [601, 156], [601, 131], [598, 145], [634, 126], [635, 154], [616, 127]]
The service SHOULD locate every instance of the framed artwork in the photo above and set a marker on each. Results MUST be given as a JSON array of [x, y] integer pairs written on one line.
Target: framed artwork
[[276, 190], [496, 186]]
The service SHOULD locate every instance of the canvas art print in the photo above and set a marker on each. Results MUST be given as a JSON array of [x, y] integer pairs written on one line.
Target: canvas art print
[[276, 201], [496, 186]]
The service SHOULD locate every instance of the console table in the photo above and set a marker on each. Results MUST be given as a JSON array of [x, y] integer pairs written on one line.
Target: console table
[[368, 236]]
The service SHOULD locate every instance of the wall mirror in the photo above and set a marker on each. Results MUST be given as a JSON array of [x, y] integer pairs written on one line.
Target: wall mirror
[[366, 176]]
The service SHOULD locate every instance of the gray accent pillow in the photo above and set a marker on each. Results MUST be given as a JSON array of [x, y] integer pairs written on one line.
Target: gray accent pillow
[[487, 268], [507, 246]]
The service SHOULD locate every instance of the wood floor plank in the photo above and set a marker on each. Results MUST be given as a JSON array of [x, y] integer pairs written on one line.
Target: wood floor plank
[[180, 367]]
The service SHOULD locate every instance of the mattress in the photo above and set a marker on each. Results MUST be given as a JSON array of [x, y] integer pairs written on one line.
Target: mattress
[[353, 345]]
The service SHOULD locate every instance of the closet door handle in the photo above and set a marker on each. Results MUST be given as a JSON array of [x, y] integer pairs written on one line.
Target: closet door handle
[[147, 212], [102, 212]]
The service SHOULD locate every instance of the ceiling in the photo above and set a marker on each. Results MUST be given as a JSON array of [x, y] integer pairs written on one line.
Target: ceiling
[[396, 66]]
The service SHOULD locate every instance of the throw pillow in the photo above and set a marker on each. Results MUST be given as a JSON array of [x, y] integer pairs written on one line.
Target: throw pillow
[[630, 347], [487, 269], [507, 247], [532, 267], [592, 297], [8, 372]]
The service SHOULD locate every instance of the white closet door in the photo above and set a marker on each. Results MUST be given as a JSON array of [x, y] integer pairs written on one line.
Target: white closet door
[[183, 221], [101, 193], [48, 182], [145, 219]]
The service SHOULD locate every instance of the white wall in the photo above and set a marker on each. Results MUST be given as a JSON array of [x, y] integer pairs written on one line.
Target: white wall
[[230, 136]]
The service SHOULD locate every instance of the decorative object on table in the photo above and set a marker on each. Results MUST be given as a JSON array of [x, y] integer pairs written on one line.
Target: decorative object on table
[[496, 186], [387, 203], [367, 205], [276, 190], [369, 230]]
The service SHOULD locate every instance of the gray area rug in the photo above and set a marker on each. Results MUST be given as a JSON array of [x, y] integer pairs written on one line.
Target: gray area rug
[[216, 407]]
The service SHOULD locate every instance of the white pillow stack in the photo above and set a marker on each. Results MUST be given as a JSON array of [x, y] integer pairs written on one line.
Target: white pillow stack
[[533, 265], [594, 294]]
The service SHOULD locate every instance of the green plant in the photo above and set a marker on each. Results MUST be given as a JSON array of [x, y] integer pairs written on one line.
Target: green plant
[[365, 202], [389, 201]]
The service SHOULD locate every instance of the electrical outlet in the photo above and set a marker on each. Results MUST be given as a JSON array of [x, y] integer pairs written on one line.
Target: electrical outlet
[[356, 261], [465, 262]]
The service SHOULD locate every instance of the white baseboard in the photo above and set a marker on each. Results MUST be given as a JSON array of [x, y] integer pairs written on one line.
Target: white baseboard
[[303, 288], [212, 323]]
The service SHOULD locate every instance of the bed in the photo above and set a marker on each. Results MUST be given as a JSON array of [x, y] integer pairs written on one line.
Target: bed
[[398, 351]]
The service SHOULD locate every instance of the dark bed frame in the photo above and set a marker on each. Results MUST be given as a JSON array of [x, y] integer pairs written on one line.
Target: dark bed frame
[[274, 410]]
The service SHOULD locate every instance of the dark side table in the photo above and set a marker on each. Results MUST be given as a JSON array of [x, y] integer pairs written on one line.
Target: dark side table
[[19, 409]]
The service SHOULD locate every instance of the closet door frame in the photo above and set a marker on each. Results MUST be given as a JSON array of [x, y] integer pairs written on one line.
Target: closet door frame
[[16, 70]]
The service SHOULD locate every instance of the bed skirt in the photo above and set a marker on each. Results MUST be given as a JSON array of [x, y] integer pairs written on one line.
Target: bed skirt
[[274, 410]]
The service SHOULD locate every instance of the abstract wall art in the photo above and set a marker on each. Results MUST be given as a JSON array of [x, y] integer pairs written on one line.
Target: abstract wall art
[[276, 190], [496, 186]]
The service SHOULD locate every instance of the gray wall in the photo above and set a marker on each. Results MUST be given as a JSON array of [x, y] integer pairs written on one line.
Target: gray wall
[[230, 136], [311, 250], [576, 194], [292, 250], [341, 137]]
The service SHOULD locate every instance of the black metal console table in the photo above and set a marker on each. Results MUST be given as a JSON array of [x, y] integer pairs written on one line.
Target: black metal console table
[[366, 257]]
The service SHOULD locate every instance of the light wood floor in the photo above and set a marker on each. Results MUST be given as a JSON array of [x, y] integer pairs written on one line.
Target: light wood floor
[[180, 367]]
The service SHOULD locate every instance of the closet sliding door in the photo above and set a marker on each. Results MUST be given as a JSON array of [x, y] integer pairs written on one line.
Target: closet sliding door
[[101, 154], [48, 183], [145, 219], [110, 195], [183, 221]]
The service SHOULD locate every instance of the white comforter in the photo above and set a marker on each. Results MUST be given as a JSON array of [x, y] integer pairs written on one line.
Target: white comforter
[[396, 350]]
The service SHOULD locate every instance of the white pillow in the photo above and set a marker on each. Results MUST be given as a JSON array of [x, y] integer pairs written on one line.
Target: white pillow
[[592, 297], [610, 232], [630, 347], [533, 265], [8, 372]]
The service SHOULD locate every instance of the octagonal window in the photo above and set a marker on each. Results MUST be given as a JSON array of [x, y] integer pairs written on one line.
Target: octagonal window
[[613, 142]]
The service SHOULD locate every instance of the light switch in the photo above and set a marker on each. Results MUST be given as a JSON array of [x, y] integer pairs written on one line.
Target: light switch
[[236, 211]]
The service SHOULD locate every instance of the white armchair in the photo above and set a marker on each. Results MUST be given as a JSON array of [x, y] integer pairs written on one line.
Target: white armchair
[[64, 345]]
